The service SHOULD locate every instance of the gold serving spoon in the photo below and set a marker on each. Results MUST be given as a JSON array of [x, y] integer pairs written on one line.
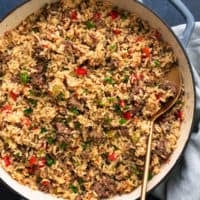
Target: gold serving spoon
[[174, 77]]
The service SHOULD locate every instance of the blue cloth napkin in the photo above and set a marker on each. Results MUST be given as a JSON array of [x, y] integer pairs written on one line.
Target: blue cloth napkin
[[183, 183]]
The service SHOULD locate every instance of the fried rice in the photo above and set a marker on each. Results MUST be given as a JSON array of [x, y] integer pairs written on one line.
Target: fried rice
[[79, 82]]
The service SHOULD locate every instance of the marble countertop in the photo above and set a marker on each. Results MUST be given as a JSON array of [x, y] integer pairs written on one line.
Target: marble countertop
[[162, 7]]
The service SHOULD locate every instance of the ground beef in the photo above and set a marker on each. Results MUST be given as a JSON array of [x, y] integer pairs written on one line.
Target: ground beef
[[105, 187]]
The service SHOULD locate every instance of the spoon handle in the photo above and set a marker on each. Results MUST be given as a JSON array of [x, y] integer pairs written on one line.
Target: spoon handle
[[147, 162]]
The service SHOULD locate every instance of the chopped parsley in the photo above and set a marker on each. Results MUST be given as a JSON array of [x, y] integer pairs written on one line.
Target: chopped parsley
[[28, 111], [43, 130], [89, 25], [86, 145], [112, 47], [73, 188], [74, 110], [63, 146], [50, 140], [122, 121], [126, 78], [117, 108], [109, 80], [33, 102], [49, 161], [157, 63], [24, 77], [77, 125]]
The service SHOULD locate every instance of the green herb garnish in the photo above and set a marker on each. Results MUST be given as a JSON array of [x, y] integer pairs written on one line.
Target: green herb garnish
[[113, 47], [50, 140], [33, 102], [126, 78], [35, 29], [77, 125], [28, 111], [89, 25], [122, 121], [49, 160], [157, 63], [109, 80], [117, 108], [107, 120], [74, 110], [73, 188], [24, 77], [63, 146], [150, 176], [60, 97], [86, 145], [43, 130]]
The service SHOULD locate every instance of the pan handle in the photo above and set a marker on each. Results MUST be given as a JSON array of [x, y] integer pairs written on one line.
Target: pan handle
[[190, 22]]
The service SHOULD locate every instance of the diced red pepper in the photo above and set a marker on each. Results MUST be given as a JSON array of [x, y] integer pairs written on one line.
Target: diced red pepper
[[136, 77], [122, 103], [45, 183], [179, 115], [139, 39], [146, 52], [32, 160], [97, 16], [158, 35], [26, 121], [114, 14], [6, 160], [80, 71], [6, 108], [158, 95], [42, 162], [74, 15], [14, 95], [127, 115], [112, 157], [45, 46], [31, 169], [117, 31]]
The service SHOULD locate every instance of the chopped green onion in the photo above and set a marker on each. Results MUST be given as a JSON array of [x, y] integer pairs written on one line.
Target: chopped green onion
[[63, 146], [43, 130], [136, 171], [60, 97], [117, 109], [85, 91], [107, 120], [77, 125], [67, 38], [124, 15], [74, 110], [49, 160], [80, 181], [33, 102], [28, 111], [86, 145], [122, 121], [126, 78], [50, 140], [150, 176], [89, 25], [111, 99], [109, 80], [24, 77], [113, 47], [73, 188], [157, 63], [35, 29], [179, 102]]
